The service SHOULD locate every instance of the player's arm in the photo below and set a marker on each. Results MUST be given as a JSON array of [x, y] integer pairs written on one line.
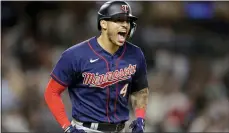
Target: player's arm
[[61, 78], [139, 89], [53, 99], [139, 102], [139, 95]]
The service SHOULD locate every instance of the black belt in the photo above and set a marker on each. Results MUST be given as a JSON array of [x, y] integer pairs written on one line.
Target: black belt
[[107, 126]]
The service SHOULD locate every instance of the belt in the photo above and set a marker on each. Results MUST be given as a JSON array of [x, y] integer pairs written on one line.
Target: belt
[[102, 126]]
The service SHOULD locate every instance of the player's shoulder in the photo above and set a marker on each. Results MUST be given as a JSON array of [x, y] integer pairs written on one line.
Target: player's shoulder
[[132, 47], [77, 49]]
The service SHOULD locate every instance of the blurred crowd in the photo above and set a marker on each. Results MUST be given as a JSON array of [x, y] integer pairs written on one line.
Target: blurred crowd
[[186, 45]]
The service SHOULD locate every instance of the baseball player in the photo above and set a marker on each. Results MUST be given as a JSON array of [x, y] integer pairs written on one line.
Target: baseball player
[[101, 74]]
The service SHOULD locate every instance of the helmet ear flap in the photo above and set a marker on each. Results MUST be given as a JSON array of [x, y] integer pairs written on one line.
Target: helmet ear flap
[[133, 27]]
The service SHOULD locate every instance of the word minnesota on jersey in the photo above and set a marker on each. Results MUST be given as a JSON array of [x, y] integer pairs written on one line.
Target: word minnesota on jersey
[[111, 77]]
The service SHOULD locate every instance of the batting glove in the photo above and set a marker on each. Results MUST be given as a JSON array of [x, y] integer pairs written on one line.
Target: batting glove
[[72, 129], [138, 125]]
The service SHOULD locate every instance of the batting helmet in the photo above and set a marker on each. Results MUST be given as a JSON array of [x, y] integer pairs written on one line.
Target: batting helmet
[[116, 10]]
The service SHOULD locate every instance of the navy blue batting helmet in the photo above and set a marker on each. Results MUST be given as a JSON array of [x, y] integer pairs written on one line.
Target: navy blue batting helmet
[[117, 10]]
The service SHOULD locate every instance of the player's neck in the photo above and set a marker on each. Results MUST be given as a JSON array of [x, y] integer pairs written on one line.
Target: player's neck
[[107, 45]]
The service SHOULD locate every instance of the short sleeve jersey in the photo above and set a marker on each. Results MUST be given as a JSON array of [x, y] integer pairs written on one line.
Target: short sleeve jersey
[[99, 84]]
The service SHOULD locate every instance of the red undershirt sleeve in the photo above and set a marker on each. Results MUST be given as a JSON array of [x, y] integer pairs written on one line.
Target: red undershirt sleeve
[[53, 99]]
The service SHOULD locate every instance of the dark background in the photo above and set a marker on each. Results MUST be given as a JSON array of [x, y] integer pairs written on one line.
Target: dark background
[[186, 45]]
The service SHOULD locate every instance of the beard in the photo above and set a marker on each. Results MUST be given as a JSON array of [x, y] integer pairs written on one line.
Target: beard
[[111, 37]]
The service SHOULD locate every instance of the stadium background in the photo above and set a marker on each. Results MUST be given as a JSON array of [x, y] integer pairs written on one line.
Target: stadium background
[[186, 45]]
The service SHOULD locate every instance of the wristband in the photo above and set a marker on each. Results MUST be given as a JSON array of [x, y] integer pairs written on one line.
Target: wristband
[[140, 113], [66, 129]]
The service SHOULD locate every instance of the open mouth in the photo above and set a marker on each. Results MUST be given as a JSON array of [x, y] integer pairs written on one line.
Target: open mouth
[[122, 33], [121, 36]]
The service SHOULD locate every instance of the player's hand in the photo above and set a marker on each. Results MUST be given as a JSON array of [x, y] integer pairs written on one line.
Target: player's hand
[[72, 129], [138, 125]]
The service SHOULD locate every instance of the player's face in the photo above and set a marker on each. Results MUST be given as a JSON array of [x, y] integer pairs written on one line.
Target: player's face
[[117, 31]]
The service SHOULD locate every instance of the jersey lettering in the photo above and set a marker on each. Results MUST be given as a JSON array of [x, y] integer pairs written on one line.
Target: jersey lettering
[[124, 90], [112, 77]]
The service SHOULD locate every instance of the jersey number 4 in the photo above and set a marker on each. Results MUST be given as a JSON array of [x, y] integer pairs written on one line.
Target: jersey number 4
[[124, 90]]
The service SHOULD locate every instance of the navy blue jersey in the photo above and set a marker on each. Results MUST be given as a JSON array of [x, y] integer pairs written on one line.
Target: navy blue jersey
[[98, 82]]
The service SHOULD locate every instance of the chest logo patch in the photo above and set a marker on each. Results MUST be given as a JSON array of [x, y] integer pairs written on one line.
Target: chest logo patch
[[93, 60], [111, 77]]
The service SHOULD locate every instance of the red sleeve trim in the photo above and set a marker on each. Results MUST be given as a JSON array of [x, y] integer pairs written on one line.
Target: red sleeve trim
[[53, 99], [58, 80]]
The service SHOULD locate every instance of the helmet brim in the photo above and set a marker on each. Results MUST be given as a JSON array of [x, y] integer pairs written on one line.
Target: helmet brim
[[123, 16]]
